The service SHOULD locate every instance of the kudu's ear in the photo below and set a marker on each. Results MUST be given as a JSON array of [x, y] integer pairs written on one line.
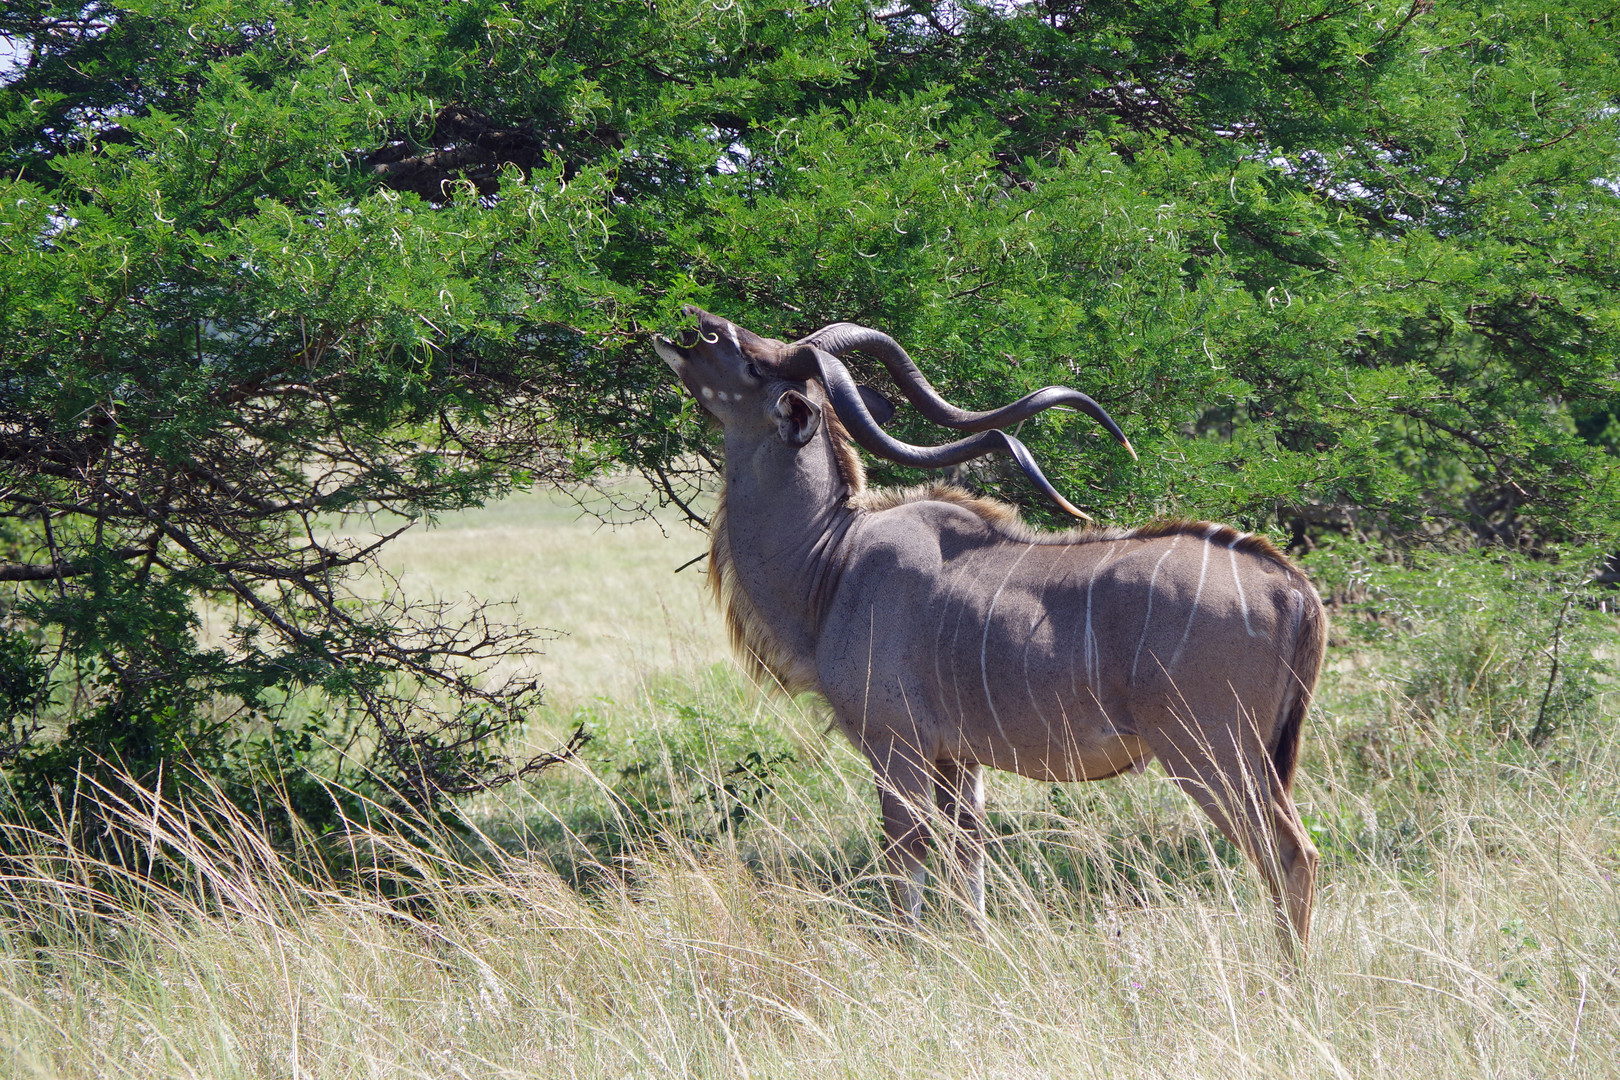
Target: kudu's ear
[[881, 408], [796, 416]]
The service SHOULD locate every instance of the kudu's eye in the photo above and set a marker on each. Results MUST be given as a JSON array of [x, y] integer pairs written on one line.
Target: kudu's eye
[[753, 372]]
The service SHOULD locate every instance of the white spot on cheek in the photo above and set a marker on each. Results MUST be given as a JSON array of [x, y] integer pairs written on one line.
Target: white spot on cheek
[[708, 394]]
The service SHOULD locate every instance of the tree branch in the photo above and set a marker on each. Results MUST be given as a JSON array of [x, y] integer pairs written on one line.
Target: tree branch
[[51, 571]]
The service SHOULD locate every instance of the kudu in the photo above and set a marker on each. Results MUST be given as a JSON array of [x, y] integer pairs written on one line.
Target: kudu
[[948, 636]]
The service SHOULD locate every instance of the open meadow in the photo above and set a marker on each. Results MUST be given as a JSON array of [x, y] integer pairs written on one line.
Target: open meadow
[[698, 894]]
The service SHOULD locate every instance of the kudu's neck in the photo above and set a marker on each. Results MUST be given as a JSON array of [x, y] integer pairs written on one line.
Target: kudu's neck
[[786, 516]]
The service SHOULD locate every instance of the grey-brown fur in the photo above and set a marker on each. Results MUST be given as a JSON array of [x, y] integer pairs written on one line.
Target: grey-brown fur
[[947, 635]]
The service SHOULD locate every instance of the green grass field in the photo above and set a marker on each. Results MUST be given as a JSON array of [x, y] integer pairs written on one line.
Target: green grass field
[[698, 895], [620, 612]]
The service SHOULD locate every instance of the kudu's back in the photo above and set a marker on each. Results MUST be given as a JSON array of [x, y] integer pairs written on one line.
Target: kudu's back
[[1059, 655]]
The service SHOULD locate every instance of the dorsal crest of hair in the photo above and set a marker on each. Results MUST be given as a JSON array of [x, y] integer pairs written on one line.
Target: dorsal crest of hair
[[1005, 520]]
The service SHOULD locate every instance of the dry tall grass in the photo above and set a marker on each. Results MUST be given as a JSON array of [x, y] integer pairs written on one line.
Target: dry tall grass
[[699, 897]]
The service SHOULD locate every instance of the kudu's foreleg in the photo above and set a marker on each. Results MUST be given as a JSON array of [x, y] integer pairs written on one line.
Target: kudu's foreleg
[[959, 793], [905, 787]]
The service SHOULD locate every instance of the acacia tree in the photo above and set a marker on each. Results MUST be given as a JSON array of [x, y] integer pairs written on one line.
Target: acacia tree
[[266, 263], [1347, 265]]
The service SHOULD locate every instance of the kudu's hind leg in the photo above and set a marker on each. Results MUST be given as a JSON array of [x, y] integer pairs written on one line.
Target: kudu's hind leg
[[959, 792], [1228, 773], [1299, 868]]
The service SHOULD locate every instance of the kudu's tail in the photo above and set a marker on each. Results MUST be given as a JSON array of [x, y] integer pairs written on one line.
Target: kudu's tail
[[1310, 641]]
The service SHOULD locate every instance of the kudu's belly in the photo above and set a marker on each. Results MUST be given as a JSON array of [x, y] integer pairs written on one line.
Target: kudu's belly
[[1031, 697]]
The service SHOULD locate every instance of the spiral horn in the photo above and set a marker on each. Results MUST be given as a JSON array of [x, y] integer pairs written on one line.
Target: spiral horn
[[841, 338]]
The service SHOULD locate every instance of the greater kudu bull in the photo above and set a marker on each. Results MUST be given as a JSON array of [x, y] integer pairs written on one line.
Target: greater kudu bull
[[947, 636]]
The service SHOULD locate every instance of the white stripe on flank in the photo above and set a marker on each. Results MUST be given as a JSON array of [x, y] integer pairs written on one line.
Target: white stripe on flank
[[1029, 687], [1203, 569], [956, 633], [871, 637], [1089, 646], [984, 640], [1243, 599], [1237, 580], [1046, 614], [1148, 614]]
